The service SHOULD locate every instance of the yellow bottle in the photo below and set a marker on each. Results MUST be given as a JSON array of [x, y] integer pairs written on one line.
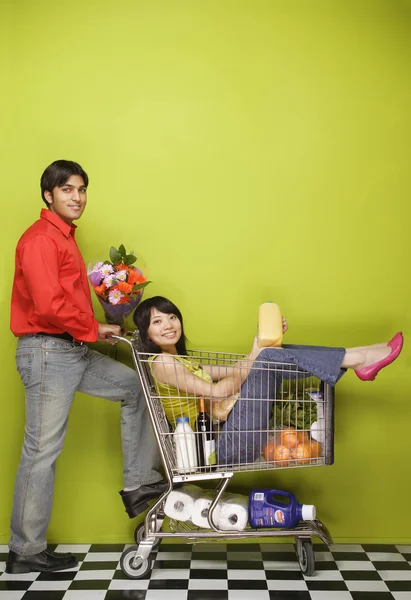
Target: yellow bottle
[[270, 325]]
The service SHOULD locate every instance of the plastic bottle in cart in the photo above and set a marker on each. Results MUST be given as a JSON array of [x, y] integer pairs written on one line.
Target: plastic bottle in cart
[[275, 508], [318, 426], [270, 325], [185, 445]]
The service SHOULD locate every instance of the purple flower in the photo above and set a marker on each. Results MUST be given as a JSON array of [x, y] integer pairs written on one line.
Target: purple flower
[[97, 266], [95, 278]]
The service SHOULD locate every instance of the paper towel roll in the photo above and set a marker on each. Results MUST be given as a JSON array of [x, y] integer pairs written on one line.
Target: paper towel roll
[[233, 513], [200, 510], [179, 504], [230, 514]]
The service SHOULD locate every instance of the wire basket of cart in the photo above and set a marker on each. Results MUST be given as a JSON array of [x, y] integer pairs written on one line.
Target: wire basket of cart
[[286, 422]]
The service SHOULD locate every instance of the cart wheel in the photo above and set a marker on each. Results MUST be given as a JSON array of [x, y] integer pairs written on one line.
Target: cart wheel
[[142, 568], [139, 535], [306, 556]]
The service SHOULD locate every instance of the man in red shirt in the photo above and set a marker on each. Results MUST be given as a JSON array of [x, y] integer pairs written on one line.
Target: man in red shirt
[[52, 315]]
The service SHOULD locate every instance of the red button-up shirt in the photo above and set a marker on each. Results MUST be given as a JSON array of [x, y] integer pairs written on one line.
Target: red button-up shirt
[[50, 288]]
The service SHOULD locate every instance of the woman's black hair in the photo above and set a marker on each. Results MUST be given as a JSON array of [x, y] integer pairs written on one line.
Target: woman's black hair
[[142, 316]]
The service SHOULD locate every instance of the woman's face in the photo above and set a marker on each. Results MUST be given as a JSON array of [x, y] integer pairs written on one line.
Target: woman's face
[[164, 329]]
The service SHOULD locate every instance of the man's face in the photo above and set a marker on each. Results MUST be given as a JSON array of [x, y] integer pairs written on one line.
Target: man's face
[[69, 201]]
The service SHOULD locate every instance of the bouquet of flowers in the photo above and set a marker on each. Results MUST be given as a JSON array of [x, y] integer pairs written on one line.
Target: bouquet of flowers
[[119, 286]]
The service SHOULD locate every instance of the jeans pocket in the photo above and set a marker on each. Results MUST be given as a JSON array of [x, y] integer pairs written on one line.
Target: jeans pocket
[[24, 362]]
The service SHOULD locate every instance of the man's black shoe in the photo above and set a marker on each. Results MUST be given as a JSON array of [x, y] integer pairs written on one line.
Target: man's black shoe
[[43, 561], [136, 500]]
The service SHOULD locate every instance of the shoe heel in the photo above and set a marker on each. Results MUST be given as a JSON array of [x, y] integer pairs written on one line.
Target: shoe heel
[[17, 569], [137, 510]]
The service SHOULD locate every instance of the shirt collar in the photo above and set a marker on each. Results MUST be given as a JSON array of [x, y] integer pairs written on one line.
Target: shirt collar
[[64, 227]]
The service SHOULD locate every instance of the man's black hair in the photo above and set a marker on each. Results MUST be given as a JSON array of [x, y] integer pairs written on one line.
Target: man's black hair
[[57, 173]]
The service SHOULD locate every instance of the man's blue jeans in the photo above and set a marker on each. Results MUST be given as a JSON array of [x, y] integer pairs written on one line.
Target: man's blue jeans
[[52, 371]]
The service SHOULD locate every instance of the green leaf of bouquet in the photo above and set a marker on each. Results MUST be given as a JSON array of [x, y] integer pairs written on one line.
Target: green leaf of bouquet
[[115, 255], [130, 259], [140, 286], [122, 251]]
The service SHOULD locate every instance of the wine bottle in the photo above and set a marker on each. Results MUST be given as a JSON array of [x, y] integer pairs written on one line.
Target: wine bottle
[[205, 441]]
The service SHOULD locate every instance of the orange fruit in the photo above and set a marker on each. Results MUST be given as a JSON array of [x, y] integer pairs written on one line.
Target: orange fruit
[[290, 437], [282, 455], [316, 449], [302, 453], [269, 450], [302, 437], [275, 453]]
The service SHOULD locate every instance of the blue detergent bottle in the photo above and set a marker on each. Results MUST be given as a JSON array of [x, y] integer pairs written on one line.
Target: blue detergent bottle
[[275, 508]]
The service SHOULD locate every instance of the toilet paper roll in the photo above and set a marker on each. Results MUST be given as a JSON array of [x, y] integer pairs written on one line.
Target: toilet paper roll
[[233, 514], [179, 504], [200, 510], [230, 514]]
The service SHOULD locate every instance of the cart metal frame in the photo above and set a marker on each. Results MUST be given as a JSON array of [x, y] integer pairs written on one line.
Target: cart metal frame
[[136, 561]]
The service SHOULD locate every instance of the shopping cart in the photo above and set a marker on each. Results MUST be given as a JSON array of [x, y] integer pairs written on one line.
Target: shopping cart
[[290, 414]]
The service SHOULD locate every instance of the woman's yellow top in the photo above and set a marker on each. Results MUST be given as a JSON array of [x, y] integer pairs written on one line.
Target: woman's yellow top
[[177, 403]]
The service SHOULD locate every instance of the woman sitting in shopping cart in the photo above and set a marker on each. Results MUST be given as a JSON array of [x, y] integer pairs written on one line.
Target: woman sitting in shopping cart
[[160, 325]]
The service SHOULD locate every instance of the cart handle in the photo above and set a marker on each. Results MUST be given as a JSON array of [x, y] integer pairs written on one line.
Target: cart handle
[[119, 338]]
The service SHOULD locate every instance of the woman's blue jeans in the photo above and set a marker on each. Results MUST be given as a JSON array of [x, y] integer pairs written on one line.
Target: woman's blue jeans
[[244, 434], [52, 371]]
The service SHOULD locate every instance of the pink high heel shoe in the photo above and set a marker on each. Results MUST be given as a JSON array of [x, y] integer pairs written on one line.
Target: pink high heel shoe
[[369, 373]]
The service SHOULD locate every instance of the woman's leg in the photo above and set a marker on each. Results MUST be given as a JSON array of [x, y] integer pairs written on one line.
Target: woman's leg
[[245, 432], [354, 358], [351, 358], [324, 362], [244, 435], [358, 358]]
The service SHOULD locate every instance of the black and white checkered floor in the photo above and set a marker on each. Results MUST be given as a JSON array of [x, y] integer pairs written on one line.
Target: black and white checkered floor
[[222, 571]]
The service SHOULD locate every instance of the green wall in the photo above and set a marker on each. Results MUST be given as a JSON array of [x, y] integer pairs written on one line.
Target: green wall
[[250, 150]]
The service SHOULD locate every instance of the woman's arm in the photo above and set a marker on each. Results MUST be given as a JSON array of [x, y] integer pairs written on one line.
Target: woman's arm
[[171, 372], [217, 372]]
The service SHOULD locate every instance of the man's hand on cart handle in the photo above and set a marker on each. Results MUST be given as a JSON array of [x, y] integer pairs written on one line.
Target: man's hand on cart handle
[[105, 331]]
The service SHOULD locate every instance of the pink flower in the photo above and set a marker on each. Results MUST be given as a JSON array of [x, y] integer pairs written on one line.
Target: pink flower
[[106, 269], [115, 296], [109, 280], [121, 275]]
